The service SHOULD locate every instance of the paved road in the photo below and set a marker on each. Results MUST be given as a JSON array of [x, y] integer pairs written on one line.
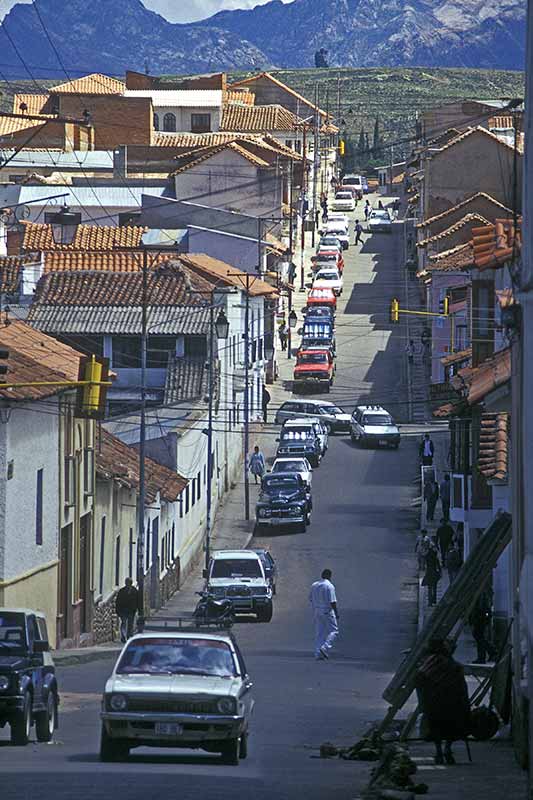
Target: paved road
[[362, 529]]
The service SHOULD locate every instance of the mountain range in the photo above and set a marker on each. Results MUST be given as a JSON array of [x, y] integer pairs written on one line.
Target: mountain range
[[53, 39]]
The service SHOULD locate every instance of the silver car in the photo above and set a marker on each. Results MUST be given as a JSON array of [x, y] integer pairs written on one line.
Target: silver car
[[379, 221], [300, 466], [331, 415], [373, 425]]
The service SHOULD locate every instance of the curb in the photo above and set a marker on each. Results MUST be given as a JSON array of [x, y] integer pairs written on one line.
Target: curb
[[73, 657]]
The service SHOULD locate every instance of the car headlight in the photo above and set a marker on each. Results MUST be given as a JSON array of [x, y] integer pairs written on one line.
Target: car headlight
[[294, 511], [118, 702], [261, 512], [217, 591], [4, 683], [226, 705]]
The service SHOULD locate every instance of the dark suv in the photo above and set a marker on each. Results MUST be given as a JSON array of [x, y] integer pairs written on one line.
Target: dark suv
[[283, 500], [28, 685]]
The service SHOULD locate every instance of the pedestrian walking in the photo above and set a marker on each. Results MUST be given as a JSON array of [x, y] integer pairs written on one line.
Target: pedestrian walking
[[323, 599], [265, 400], [126, 606], [432, 574], [443, 699], [283, 335], [358, 232], [444, 538], [317, 218], [454, 561], [325, 213], [257, 464], [431, 495], [380, 206], [410, 351], [368, 210], [445, 496], [479, 621], [422, 545], [427, 451]]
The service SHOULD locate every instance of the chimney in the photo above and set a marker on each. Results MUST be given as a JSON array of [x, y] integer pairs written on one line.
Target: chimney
[[120, 161]]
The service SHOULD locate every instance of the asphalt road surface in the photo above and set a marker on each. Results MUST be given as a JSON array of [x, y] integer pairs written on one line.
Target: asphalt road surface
[[362, 529]]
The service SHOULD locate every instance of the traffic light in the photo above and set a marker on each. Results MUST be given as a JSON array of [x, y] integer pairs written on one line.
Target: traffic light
[[395, 310], [4, 354], [91, 397], [444, 306], [341, 147]]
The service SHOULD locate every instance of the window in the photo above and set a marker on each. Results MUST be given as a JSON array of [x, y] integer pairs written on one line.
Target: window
[[163, 544], [102, 555], [193, 492], [195, 346], [127, 352], [130, 555], [117, 561], [205, 473], [181, 505], [88, 471], [70, 481], [147, 540], [199, 485], [187, 499], [200, 123], [39, 508], [169, 122], [173, 537], [156, 122], [10, 469], [155, 539], [159, 349]]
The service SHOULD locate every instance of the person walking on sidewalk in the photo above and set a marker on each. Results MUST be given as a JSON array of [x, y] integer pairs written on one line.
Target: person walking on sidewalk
[[358, 232], [444, 538], [410, 351], [422, 546], [368, 210], [431, 495], [283, 335], [265, 400], [454, 561], [443, 699], [323, 599], [479, 621], [427, 451], [257, 464], [445, 496], [432, 575], [126, 606]]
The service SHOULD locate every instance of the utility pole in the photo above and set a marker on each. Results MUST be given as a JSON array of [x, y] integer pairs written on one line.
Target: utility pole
[[142, 445], [259, 245], [208, 514], [304, 188], [316, 162]]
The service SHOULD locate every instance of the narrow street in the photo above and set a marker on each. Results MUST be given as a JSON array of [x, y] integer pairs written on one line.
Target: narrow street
[[362, 529]]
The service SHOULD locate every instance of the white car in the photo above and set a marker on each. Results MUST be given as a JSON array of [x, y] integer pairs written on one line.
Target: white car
[[338, 216], [337, 229], [328, 277], [301, 466], [314, 426], [239, 575], [379, 221], [344, 202], [177, 688], [329, 243], [355, 181]]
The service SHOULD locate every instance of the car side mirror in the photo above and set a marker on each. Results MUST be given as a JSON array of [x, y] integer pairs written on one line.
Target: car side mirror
[[205, 573], [41, 647]]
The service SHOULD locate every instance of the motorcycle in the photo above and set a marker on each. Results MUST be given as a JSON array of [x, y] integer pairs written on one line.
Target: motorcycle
[[214, 611]]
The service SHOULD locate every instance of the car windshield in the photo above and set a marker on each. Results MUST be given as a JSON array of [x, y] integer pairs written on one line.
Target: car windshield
[[296, 434], [343, 196], [294, 465], [377, 419], [12, 633], [327, 276], [380, 214], [236, 568], [329, 241], [326, 256], [280, 484], [313, 358], [331, 410], [162, 656], [321, 293]]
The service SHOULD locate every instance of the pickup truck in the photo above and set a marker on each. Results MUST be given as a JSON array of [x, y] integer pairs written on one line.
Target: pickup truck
[[318, 335], [314, 368]]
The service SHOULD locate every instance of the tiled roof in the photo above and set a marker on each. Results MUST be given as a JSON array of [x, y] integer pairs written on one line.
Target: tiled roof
[[457, 259], [194, 157], [186, 380], [33, 356], [187, 141], [470, 132], [36, 103], [120, 462], [239, 96], [96, 83], [10, 267], [268, 76], [489, 375], [238, 117], [275, 245], [448, 410], [463, 204], [497, 244], [466, 221], [9, 125], [211, 269], [119, 320], [65, 261], [38, 236], [443, 138], [493, 458], [168, 284], [457, 358]]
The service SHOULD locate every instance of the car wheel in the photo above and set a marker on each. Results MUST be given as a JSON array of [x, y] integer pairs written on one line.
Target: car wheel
[[396, 445], [243, 748], [265, 614], [21, 724], [307, 519], [46, 721], [112, 749], [230, 751], [352, 437]]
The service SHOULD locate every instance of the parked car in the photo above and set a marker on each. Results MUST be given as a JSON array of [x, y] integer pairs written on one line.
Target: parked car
[[320, 430], [329, 276], [314, 369], [379, 221], [327, 258], [269, 565], [352, 190], [340, 217], [300, 466], [330, 414], [344, 201], [322, 297], [329, 243], [318, 334], [28, 683], [300, 441], [283, 500], [337, 229], [318, 313], [239, 575], [355, 181], [179, 688], [373, 425]]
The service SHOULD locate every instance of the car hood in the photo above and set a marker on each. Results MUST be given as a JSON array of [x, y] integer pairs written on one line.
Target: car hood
[[326, 284], [377, 430], [172, 685], [311, 368], [341, 417], [223, 582], [8, 663], [277, 498]]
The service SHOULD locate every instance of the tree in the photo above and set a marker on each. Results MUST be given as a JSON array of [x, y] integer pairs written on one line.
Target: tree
[[361, 146], [376, 147], [367, 145]]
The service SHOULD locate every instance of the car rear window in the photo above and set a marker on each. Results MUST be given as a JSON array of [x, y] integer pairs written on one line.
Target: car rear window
[[178, 656], [377, 419], [236, 568], [313, 358]]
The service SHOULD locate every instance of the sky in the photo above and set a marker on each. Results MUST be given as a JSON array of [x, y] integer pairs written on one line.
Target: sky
[[175, 10]]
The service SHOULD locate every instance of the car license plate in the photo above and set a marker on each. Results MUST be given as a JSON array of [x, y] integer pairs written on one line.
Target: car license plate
[[382, 441], [168, 729]]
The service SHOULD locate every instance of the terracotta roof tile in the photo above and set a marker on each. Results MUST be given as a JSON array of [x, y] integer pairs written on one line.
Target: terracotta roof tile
[[96, 83], [9, 125], [60, 261], [470, 132], [268, 76], [217, 271], [448, 410], [193, 158], [254, 119], [38, 236], [468, 222], [462, 205], [456, 358], [120, 462], [239, 96], [456, 259], [10, 268], [186, 379], [443, 138], [489, 375], [497, 244], [493, 457], [36, 103]]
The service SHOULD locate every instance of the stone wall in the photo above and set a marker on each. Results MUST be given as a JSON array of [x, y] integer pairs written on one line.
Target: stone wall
[[105, 621]]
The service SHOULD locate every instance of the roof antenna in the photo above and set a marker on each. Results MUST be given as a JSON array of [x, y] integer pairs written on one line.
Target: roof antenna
[[146, 71]]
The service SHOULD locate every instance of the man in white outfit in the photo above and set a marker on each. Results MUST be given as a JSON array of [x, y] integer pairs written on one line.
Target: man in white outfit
[[324, 602]]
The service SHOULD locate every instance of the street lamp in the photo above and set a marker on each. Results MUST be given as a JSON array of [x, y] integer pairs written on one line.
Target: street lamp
[[64, 225], [293, 319], [222, 325]]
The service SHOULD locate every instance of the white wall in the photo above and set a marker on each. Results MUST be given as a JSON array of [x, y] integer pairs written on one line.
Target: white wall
[[183, 116], [239, 251]]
